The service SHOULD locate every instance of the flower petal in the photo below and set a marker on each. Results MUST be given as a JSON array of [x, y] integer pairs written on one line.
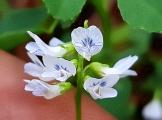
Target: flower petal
[[50, 74], [107, 92], [110, 71], [44, 47], [93, 94], [54, 91], [90, 85], [128, 73], [87, 42], [113, 71], [35, 59], [33, 69], [125, 63], [60, 68], [35, 85], [55, 42], [90, 82], [52, 62], [47, 50], [32, 47], [110, 80], [36, 69]]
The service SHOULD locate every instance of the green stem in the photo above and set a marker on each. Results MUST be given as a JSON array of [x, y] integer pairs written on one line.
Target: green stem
[[157, 94], [79, 87], [53, 26]]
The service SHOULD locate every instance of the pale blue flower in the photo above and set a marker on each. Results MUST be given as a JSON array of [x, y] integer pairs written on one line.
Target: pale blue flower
[[87, 41], [40, 48], [121, 68], [101, 88], [52, 68], [40, 88], [58, 66], [54, 42]]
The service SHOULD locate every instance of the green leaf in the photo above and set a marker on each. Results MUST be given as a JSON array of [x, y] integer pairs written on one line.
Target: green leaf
[[14, 25], [119, 106], [128, 41], [143, 14], [64, 10], [124, 42]]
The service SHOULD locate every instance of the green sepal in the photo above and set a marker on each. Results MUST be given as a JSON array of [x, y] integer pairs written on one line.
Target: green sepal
[[71, 53], [95, 69], [64, 86]]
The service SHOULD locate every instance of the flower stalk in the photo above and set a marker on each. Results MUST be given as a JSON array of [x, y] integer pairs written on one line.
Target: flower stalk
[[79, 87], [157, 94], [80, 75]]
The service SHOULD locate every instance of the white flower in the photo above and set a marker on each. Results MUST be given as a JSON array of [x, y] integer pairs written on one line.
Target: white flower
[[40, 88], [40, 48], [101, 88], [121, 68], [59, 66], [87, 41], [51, 69], [153, 110]]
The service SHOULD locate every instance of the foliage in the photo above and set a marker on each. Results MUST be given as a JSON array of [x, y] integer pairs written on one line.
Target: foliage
[[63, 10], [14, 24], [142, 14]]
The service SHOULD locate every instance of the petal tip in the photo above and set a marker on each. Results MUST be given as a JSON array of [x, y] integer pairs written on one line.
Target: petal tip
[[29, 32]]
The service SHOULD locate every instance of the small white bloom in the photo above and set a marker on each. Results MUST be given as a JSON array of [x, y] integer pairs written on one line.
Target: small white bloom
[[40, 88], [40, 48], [153, 110], [121, 68], [87, 41], [101, 88], [58, 66], [51, 69]]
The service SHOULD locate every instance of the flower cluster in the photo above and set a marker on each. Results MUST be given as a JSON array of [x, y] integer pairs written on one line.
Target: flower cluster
[[54, 69]]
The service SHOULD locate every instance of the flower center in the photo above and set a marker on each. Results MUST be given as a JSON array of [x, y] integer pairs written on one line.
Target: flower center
[[60, 67], [88, 42], [94, 84], [103, 83], [63, 70]]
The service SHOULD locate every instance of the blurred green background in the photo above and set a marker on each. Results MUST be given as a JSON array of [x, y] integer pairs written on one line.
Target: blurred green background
[[57, 18]]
